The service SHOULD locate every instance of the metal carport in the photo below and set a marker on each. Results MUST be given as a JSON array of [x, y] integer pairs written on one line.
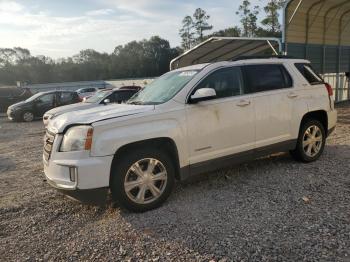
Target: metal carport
[[319, 30], [217, 49]]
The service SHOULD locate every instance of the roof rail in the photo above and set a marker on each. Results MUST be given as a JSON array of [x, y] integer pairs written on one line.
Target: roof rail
[[263, 57]]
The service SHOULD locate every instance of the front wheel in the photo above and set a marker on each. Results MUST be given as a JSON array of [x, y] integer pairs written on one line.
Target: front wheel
[[27, 116], [142, 179], [311, 141]]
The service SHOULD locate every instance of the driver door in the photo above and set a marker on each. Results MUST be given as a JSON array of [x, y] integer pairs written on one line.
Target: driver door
[[223, 127], [44, 103]]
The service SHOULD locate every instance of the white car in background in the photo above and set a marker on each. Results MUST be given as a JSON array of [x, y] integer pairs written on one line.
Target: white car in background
[[190, 121], [86, 92]]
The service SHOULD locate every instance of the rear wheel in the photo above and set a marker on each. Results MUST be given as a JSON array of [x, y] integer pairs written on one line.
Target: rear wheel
[[27, 116], [311, 141], [142, 180]]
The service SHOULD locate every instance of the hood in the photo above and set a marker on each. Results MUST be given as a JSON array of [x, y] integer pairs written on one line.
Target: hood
[[70, 108], [19, 104], [89, 116]]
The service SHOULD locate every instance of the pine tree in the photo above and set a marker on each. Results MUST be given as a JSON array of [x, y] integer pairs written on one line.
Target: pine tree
[[201, 23], [271, 21], [249, 18], [187, 32]]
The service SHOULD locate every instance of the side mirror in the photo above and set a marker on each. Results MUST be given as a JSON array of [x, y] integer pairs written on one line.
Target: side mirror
[[106, 101], [203, 94]]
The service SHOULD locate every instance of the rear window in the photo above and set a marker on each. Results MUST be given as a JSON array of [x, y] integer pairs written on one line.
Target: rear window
[[309, 74], [260, 78]]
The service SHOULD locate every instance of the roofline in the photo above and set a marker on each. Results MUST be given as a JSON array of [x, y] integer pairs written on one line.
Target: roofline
[[226, 38]]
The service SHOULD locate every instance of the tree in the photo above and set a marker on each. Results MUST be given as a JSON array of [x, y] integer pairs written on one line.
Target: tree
[[187, 32], [249, 18], [228, 32], [271, 20], [201, 23]]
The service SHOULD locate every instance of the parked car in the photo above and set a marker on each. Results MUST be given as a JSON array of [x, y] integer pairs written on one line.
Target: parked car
[[85, 92], [190, 121], [136, 88], [101, 98], [12, 95], [38, 104]]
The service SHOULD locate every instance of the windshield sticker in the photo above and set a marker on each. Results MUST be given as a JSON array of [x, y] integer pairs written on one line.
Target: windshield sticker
[[188, 73]]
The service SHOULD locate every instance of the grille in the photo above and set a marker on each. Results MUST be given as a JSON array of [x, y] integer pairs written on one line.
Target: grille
[[48, 143]]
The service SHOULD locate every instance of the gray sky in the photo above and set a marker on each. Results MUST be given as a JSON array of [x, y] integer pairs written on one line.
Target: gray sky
[[60, 28]]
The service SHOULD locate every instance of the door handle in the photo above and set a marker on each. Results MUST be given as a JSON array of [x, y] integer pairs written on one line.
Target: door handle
[[243, 103], [292, 95]]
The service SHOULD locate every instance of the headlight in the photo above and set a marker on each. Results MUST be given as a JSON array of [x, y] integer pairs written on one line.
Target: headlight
[[78, 138]]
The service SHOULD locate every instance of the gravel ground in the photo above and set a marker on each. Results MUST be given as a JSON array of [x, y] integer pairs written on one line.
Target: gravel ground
[[271, 209]]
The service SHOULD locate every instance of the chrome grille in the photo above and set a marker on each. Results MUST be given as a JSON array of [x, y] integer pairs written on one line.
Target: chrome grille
[[48, 143]]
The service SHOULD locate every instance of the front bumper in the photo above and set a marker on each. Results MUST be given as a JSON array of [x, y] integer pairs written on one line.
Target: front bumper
[[11, 114], [77, 174]]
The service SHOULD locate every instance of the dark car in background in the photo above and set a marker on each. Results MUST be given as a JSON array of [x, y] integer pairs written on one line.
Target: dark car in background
[[100, 98], [37, 105], [12, 95]]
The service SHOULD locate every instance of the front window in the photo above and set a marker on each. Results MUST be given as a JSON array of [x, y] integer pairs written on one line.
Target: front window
[[34, 97], [96, 98], [164, 88]]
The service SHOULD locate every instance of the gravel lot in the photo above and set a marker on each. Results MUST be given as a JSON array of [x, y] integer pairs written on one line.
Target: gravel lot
[[271, 209]]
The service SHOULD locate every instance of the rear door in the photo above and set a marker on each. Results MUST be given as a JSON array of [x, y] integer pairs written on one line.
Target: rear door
[[66, 98], [272, 91]]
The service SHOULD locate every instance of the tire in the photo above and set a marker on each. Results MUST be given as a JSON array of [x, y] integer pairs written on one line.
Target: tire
[[311, 141], [126, 170], [27, 116]]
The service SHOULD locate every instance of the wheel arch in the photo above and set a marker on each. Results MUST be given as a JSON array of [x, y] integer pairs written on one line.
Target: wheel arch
[[165, 144], [320, 115]]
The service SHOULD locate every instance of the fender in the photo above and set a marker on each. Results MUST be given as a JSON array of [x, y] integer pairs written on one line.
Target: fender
[[107, 139]]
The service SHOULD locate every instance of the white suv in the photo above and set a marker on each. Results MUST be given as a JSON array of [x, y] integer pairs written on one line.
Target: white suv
[[189, 121]]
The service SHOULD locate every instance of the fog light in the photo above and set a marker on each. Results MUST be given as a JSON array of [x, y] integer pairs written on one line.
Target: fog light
[[73, 173]]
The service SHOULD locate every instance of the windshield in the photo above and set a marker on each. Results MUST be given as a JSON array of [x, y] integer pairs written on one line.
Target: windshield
[[163, 89], [97, 97], [32, 98]]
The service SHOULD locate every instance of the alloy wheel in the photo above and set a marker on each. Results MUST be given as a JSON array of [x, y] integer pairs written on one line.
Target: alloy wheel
[[312, 141], [28, 116], [145, 181]]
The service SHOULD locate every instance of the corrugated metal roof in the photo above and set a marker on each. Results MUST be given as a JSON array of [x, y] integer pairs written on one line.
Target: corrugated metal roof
[[325, 22], [218, 49]]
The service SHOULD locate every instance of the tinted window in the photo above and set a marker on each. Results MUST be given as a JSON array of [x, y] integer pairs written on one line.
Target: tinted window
[[309, 74], [46, 99], [260, 78], [123, 96], [226, 82], [66, 97]]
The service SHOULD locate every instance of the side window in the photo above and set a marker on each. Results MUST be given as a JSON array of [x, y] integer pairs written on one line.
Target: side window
[[122, 96], [260, 78], [226, 82], [309, 74], [46, 99], [66, 98]]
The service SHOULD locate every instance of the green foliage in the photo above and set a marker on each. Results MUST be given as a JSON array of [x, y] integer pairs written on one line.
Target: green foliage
[[201, 23], [271, 20], [193, 28], [187, 33], [146, 58], [249, 18]]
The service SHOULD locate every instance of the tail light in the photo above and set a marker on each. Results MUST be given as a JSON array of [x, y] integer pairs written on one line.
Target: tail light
[[329, 89]]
